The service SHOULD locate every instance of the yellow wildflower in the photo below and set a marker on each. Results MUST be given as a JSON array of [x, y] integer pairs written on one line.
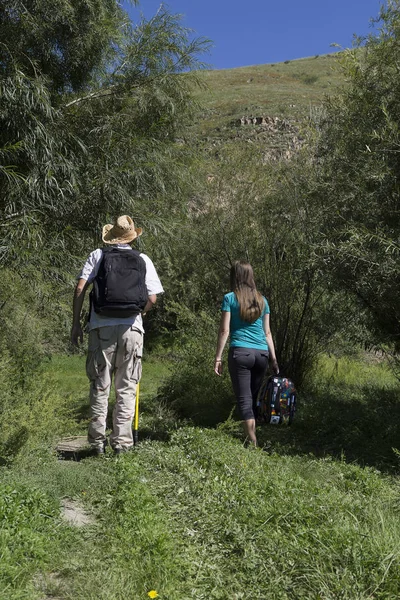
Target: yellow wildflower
[[152, 594]]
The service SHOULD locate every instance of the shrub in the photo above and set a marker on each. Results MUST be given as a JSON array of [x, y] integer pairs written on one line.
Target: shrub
[[309, 79], [193, 391], [29, 407], [31, 414]]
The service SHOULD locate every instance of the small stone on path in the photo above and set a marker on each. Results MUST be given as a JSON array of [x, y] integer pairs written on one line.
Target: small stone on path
[[73, 512]]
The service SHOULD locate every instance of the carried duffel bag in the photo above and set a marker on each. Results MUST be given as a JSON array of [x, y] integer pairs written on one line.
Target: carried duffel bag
[[277, 401]]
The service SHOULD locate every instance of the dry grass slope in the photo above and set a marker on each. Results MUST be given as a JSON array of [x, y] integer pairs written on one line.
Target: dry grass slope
[[286, 90]]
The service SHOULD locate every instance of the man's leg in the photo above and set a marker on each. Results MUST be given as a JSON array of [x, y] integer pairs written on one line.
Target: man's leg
[[128, 370], [99, 368]]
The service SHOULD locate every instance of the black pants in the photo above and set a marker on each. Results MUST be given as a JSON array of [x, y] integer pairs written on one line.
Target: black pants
[[247, 367]]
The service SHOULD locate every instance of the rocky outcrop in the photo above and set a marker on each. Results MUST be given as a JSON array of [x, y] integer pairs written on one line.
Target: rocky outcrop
[[282, 139], [272, 123]]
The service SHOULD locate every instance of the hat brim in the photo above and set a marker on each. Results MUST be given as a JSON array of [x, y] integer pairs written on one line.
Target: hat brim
[[108, 236]]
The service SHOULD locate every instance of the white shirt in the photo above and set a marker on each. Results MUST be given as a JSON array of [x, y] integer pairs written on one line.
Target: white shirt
[[153, 285]]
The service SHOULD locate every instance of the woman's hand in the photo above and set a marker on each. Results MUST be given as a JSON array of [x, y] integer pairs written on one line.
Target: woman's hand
[[275, 366], [218, 367]]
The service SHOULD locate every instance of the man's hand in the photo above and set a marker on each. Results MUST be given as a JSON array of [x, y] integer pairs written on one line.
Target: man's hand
[[76, 335]]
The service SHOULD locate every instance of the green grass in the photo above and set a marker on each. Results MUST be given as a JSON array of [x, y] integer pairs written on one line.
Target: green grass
[[195, 514], [349, 410], [286, 90], [68, 375], [203, 517]]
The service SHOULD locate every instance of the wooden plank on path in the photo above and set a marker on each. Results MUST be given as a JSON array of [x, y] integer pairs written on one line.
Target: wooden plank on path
[[73, 448]]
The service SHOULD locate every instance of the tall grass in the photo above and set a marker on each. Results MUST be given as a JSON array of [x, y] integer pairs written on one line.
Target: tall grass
[[203, 517], [200, 516], [351, 408]]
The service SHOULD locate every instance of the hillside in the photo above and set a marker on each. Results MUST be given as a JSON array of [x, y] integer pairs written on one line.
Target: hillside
[[268, 103], [285, 90], [192, 512]]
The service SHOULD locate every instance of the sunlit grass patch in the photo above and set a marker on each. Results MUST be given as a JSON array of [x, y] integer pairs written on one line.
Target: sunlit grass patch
[[201, 516], [350, 408], [315, 527], [273, 88], [370, 370]]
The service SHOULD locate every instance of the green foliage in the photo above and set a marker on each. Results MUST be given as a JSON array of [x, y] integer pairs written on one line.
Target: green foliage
[[90, 111], [192, 390], [358, 163], [30, 408], [37, 172], [27, 518], [318, 520], [90, 114], [200, 516], [32, 412], [262, 215], [162, 524], [130, 122], [65, 42]]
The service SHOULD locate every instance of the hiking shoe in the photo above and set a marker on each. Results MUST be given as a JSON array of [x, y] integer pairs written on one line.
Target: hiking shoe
[[118, 451], [100, 450]]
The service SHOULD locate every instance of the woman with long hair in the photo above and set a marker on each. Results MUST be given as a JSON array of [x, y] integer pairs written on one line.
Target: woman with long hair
[[245, 318]]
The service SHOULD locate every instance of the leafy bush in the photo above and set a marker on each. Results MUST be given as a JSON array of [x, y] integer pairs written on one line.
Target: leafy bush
[[32, 414], [193, 390], [30, 409], [358, 165]]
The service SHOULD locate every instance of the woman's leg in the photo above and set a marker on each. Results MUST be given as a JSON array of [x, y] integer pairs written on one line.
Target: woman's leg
[[250, 430], [257, 375], [240, 363]]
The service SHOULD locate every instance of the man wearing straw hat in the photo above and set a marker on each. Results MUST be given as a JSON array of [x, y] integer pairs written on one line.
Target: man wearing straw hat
[[115, 330]]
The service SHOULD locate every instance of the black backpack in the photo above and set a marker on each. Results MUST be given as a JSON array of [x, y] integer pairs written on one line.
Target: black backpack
[[277, 401], [119, 288]]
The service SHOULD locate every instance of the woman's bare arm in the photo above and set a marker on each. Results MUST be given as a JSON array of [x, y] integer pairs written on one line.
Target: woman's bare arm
[[223, 335], [270, 342]]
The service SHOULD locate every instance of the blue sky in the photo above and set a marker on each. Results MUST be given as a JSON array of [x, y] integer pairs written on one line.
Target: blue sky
[[254, 32]]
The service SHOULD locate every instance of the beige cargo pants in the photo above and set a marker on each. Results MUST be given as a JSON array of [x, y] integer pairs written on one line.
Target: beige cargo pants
[[114, 351]]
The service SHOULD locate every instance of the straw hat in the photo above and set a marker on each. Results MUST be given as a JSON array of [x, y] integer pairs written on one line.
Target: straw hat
[[122, 232]]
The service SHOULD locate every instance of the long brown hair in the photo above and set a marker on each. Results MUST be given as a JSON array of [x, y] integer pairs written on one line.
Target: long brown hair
[[250, 300]]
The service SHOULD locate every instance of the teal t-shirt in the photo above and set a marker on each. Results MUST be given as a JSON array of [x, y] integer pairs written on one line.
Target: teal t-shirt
[[242, 333]]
